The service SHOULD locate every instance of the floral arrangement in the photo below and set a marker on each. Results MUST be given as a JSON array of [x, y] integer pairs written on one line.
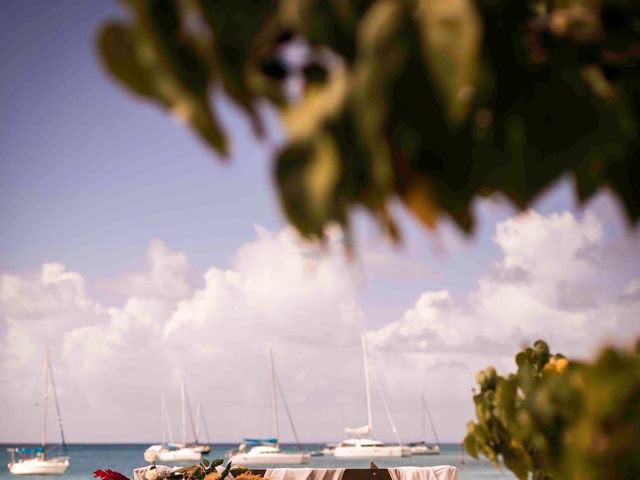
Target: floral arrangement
[[109, 475], [206, 470]]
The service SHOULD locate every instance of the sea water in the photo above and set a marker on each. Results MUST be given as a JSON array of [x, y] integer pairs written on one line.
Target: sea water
[[85, 459]]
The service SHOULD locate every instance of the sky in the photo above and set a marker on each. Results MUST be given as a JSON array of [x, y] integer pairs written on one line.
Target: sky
[[139, 258]]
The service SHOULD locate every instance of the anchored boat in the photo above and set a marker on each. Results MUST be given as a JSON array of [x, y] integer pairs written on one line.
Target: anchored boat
[[360, 444], [266, 451], [423, 448], [35, 461], [177, 452]]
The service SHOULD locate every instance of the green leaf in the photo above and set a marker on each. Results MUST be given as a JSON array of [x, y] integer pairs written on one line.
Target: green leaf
[[245, 35], [434, 102], [118, 52], [238, 470], [329, 24], [226, 471], [470, 445], [514, 464], [450, 40], [156, 59]]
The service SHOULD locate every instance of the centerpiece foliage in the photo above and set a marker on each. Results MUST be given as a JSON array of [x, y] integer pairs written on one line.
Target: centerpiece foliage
[[205, 470]]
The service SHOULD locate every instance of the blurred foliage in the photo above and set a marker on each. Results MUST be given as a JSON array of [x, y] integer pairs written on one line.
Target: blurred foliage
[[434, 102], [557, 419]]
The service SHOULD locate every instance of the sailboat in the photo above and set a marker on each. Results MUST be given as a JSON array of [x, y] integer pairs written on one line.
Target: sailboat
[[194, 444], [201, 447], [266, 451], [423, 448], [34, 461], [360, 443], [172, 451]]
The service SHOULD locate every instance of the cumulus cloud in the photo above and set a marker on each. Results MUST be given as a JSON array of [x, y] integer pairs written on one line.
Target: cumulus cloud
[[542, 286], [557, 276], [213, 332], [38, 309]]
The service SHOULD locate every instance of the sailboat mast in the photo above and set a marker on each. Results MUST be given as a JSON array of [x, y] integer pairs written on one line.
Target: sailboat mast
[[190, 413], [204, 424], [287, 411], [162, 419], [55, 398], [197, 420], [165, 418], [424, 421], [45, 396], [274, 400], [387, 411], [184, 413], [433, 427], [366, 383]]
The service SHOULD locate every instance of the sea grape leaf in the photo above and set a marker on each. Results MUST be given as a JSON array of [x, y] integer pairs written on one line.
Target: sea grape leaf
[[433, 102], [171, 71]]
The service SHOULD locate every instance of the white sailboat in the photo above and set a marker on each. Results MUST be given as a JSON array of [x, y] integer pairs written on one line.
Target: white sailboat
[[34, 461], [267, 451], [195, 443], [423, 448], [360, 444], [201, 447], [173, 451]]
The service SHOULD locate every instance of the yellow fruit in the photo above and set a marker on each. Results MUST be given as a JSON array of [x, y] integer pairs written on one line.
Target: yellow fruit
[[561, 364]]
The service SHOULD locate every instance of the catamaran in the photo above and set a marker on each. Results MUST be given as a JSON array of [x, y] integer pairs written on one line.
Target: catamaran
[[34, 461], [174, 451], [360, 444], [423, 448], [266, 451]]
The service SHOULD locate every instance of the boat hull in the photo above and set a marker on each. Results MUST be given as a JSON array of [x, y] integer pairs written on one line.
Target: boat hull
[[33, 466], [372, 452], [183, 454], [270, 459], [422, 450]]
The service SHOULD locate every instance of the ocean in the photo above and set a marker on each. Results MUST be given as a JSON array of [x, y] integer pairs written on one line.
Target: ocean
[[86, 458]]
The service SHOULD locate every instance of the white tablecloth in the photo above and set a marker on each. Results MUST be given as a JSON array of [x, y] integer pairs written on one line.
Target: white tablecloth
[[440, 472]]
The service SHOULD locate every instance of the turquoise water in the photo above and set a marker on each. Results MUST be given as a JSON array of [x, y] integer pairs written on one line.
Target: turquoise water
[[124, 458]]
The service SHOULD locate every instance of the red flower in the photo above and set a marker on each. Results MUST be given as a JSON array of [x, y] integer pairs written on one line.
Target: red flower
[[109, 475]]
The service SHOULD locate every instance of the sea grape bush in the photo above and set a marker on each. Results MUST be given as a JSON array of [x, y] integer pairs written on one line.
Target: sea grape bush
[[560, 419], [432, 102]]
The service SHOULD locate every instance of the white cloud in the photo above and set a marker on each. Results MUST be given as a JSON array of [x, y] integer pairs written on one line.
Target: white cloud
[[279, 293], [543, 286], [39, 308], [214, 329]]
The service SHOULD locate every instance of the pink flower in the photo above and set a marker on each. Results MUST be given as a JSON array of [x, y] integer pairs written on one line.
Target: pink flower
[[109, 475]]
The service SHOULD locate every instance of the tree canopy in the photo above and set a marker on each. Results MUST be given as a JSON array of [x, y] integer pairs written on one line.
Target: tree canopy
[[433, 102]]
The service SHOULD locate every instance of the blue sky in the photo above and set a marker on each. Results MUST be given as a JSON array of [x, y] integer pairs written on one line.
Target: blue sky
[[147, 223], [90, 175]]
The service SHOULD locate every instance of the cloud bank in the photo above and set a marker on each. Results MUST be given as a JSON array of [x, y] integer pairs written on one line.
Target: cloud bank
[[559, 277]]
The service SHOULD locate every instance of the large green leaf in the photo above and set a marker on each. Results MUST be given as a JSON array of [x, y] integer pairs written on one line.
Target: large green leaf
[[162, 65], [435, 102]]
